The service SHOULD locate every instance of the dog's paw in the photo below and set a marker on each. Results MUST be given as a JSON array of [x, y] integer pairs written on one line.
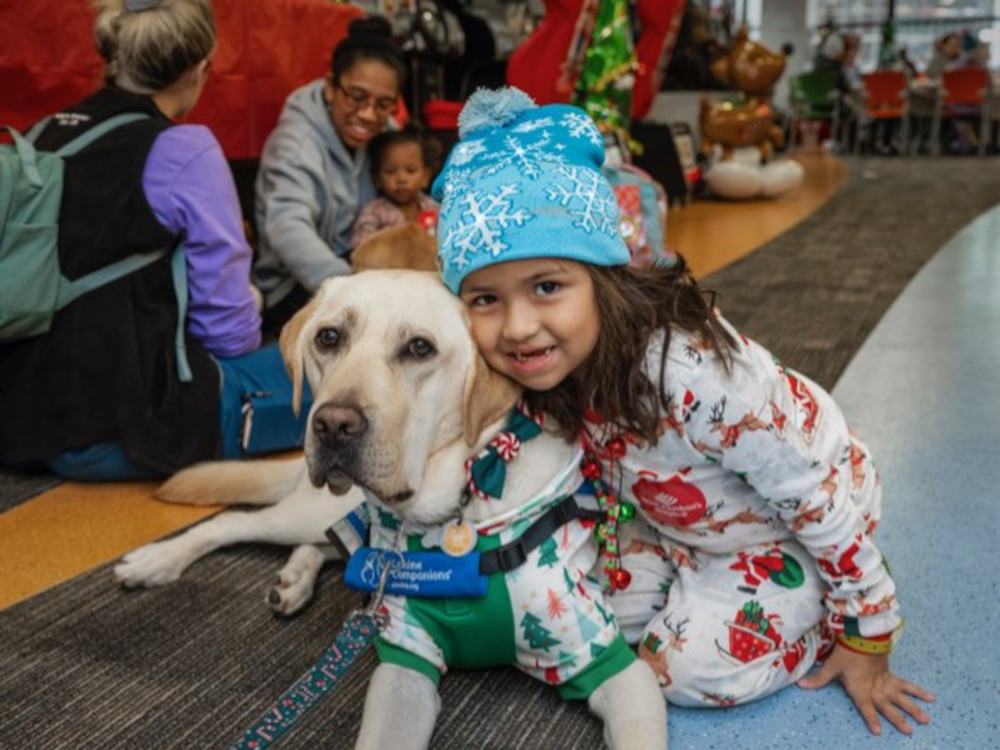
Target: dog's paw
[[291, 592], [296, 582], [156, 564]]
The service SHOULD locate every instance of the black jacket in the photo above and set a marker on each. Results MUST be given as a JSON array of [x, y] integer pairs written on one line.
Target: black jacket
[[106, 371]]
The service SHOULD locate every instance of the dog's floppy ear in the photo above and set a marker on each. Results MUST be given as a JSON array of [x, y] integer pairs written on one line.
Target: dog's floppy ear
[[488, 396], [293, 349]]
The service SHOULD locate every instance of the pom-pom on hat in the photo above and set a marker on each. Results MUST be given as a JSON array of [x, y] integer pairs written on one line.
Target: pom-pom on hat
[[524, 182]]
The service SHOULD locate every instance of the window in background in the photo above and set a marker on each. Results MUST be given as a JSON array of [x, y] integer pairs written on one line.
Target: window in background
[[918, 24]]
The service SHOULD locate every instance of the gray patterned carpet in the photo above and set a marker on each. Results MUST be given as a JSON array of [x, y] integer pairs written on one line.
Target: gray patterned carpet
[[88, 666]]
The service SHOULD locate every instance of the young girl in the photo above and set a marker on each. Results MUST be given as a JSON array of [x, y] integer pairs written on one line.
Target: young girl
[[752, 556], [400, 164]]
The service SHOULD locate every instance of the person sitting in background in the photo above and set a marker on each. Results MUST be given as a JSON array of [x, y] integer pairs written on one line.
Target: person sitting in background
[[400, 166], [923, 94], [966, 117], [837, 54], [125, 385], [314, 176], [947, 50]]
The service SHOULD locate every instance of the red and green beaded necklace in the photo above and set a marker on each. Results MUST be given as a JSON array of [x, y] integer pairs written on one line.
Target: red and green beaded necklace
[[617, 511]]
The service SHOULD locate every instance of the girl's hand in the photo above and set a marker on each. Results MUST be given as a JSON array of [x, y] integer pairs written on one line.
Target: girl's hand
[[873, 688]]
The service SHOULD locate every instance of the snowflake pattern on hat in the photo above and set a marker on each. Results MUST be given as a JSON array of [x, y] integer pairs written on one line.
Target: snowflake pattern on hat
[[581, 193], [526, 183], [480, 224]]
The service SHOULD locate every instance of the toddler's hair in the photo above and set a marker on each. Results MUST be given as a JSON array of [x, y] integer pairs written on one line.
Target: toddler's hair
[[368, 38], [430, 150], [148, 45], [634, 304]]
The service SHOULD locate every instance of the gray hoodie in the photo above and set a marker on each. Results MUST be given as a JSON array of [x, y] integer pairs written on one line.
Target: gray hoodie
[[309, 191]]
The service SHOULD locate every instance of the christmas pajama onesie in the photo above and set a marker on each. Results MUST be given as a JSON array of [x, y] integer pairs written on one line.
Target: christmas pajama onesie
[[755, 513]]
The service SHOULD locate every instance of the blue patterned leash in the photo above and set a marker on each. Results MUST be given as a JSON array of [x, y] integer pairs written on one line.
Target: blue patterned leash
[[354, 638]]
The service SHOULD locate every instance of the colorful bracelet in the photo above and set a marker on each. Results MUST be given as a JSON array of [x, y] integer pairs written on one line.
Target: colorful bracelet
[[864, 645], [873, 646]]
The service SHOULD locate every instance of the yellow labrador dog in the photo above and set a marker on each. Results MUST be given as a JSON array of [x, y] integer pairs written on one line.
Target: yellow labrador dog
[[402, 399]]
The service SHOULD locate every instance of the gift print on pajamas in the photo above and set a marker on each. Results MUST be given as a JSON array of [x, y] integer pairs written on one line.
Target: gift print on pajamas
[[774, 565]]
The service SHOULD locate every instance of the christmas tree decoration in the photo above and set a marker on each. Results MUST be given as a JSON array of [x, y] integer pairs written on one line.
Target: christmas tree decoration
[[556, 607], [536, 634], [588, 628], [548, 554], [604, 87]]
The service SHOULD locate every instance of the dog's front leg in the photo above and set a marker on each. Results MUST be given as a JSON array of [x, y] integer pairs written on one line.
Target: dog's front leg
[[299, 518], [633, 709], [400, 710]]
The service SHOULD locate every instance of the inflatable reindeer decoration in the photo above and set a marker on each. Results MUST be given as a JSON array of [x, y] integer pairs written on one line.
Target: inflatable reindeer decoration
[[752, 70]]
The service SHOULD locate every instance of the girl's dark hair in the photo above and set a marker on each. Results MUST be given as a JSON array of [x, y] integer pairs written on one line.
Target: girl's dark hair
[[430, 149], [634, 304], [368, 38]]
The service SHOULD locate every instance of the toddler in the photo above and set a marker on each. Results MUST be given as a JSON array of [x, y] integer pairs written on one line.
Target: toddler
[[400, 164]]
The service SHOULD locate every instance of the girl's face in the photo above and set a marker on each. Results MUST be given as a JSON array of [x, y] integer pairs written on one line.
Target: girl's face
[[534, 320], [402, 173], [362, 101]]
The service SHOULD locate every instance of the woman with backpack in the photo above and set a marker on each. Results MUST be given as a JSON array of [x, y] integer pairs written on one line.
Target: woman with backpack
[[163, 367]]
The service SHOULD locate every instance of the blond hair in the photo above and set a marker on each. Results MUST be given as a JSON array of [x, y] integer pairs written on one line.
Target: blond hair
[[147, 45]]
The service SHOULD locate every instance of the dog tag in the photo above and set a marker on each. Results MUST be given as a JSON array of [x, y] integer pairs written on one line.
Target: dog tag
[[458, 538]]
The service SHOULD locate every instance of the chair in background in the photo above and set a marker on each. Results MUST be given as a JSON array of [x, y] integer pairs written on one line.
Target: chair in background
[[814, 98], [964, 93], [885, 98]]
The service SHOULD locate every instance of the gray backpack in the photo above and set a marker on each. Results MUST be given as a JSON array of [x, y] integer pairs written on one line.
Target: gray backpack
[[32, 287]]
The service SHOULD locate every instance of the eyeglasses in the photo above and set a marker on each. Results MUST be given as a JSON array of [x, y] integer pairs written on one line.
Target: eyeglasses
[[361, 99]]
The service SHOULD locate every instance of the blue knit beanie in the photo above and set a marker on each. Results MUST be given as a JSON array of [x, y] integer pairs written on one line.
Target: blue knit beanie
[[524, 182]]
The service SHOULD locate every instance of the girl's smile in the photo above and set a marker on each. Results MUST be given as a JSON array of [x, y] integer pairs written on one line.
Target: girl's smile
[[531, 361], [534, 320]]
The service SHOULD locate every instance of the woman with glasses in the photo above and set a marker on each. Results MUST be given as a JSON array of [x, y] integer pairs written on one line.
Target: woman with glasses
[[314, 171], [129, 382]]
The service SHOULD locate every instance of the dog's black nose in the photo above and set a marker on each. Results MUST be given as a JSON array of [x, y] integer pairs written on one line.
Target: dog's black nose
[[338, 423]]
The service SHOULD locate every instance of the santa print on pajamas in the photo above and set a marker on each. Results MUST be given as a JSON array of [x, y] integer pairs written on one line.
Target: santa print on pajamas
[[752, 544]]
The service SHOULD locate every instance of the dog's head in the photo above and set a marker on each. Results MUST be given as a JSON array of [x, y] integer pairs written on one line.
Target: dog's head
[[395, 378]]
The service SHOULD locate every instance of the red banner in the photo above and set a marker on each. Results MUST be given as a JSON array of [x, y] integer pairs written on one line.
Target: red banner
[[266, 49]]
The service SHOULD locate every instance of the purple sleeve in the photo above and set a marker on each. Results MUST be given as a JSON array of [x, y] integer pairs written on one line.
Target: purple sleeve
[[190, 189]]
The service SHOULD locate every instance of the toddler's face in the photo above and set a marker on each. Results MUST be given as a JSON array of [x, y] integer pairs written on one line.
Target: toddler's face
[[403, 174], [534, 320]]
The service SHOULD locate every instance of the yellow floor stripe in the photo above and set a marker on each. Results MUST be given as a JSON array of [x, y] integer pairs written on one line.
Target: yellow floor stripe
[[76, 527]]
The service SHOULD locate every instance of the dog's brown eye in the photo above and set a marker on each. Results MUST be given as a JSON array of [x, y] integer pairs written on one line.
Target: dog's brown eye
[[420, 348], [327, 338]]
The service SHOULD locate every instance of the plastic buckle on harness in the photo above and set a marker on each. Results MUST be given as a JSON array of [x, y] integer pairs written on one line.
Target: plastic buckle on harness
[[512, 557]]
